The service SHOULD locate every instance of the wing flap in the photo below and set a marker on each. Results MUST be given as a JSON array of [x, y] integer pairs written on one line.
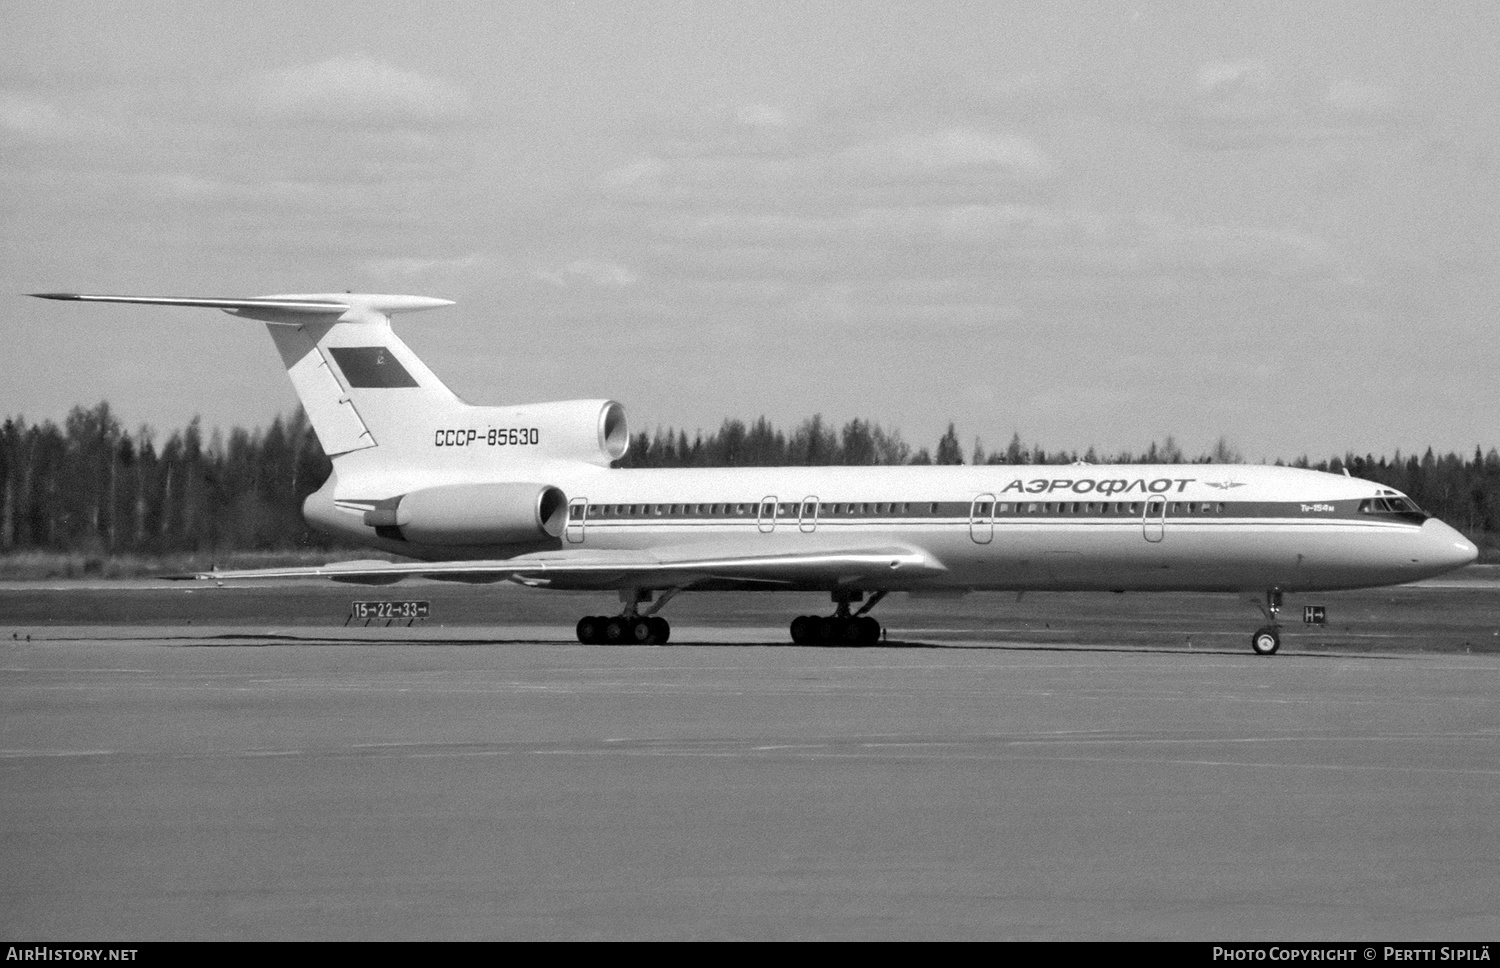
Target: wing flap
[[612, 569]]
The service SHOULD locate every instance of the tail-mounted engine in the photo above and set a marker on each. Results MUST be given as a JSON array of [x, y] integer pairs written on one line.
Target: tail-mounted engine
[[593, 431], [472, 514]]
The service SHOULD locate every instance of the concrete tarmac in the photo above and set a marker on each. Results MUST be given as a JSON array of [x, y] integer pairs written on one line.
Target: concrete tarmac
[[290, 783]]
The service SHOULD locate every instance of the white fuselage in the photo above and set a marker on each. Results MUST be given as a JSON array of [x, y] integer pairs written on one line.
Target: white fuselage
[[1194, 527]]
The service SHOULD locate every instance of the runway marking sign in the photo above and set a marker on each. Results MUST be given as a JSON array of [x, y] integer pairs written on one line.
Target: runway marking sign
[[389, 611]]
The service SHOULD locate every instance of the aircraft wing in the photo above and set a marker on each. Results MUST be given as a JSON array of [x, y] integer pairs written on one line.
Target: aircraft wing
[[661, 568]]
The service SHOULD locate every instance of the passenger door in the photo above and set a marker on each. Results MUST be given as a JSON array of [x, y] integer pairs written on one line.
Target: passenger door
[[807, 518], [982, 519], [765, 516], [578, 510], [1154, 521]]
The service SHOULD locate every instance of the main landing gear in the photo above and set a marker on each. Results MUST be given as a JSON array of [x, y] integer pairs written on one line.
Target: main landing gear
[[840, 628], [1267, 638], [623, 630], [631, 627]]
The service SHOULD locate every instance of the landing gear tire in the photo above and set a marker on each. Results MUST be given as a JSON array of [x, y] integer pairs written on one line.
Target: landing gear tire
[[833, 630], [623, 630], [591, 629], [1266, 640]]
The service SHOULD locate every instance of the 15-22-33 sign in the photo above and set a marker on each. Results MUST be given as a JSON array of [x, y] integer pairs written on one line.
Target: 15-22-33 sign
[[389, 609]]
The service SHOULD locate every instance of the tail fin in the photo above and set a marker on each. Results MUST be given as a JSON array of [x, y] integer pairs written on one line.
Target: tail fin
[[340, 353]]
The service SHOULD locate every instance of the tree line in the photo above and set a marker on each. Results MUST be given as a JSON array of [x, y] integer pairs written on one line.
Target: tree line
[[91, 485]]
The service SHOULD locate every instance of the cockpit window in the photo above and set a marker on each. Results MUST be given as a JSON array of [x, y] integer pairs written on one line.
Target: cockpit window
[[1402, 507]]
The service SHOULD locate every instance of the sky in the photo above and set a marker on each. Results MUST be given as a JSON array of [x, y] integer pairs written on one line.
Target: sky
[[1092, 224]]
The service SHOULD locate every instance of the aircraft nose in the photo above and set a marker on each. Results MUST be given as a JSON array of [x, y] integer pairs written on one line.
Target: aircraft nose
[[1446, 548]]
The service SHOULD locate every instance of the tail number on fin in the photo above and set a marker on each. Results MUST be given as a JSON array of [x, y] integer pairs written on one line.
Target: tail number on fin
[[493, 437]]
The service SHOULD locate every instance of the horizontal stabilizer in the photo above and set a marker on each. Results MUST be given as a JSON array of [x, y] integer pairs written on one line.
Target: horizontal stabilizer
[[358, 382], [349, 306]]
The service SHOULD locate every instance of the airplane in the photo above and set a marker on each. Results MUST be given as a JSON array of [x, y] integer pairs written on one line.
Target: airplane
[[527, 493]]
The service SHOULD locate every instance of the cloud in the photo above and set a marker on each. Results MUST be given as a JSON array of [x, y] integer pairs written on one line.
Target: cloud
[[953, 150], [1373, 101], [32, 118], [410, 269], [761, 116], [359, 90], [1222, 79], [1243, 105], [943, 166], [596, 273]]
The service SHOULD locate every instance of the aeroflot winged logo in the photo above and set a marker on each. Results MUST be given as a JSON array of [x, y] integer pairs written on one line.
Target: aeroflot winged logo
[[1087, 485], [1224, 485]]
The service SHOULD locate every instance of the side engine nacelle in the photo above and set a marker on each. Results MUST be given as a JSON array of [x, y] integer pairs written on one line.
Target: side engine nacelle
[[472, 514], [585, 430]]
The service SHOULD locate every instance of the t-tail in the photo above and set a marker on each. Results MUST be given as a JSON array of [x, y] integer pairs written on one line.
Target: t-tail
[[379, 411]]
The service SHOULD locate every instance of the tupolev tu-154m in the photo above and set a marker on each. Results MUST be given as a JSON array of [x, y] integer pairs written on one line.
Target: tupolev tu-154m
[[527, 493]]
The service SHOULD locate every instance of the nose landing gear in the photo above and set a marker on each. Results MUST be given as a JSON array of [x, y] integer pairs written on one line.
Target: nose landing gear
[[842, 627], [1267, 638]]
